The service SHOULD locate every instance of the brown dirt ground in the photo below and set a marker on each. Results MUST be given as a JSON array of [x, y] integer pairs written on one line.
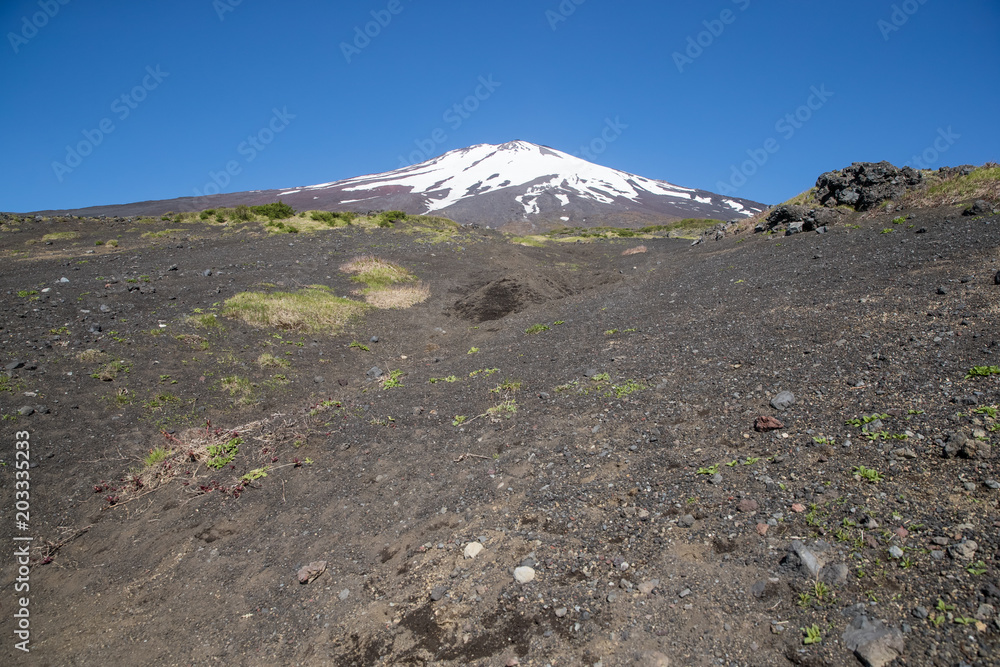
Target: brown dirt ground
[[588, 476]]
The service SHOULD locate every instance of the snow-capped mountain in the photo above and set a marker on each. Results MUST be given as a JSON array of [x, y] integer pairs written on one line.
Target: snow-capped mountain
[[517, 185], [517, 182]]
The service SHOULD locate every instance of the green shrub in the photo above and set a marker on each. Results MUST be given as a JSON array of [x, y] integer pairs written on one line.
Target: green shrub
[[243, 212], [333, 218], [323, 216], [389, 218], [274, 211]]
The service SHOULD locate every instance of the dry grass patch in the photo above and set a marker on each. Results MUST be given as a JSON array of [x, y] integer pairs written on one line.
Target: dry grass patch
[[388, 285], [268, 360], [313, 309], [398, 296], [90, 356], [375, 272], [61, 236], [638, 250], [982, 183]]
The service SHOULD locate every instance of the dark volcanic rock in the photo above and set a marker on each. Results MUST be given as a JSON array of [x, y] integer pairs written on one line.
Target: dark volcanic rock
[[799, 218], [865, 185], [979, 207]]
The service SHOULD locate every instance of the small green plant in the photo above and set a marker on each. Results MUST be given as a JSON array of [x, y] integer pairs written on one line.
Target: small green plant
[[866, 419], [805, 600], [977, 568], [812, 635], [7, 383], [26, 293], [964, 620], [506, 408], [450, 378], [473, 350], [557, 323], [710, 470], [900, 220], [610, 332], [221, 455], [914, 412], [943, 607], [988, 410], [156, 455], [887, 230], [506, 386], [253, 475], [359, 346], [733, 463], [750, 460], [629, 387], [867, 474], [536, 328], [601, 377], [459, 419], [392, 379], [824, 441], [820, 590], [982, 371], [906, 562]]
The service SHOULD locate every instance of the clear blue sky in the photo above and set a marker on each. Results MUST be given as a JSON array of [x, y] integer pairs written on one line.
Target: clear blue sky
[[199, 77]]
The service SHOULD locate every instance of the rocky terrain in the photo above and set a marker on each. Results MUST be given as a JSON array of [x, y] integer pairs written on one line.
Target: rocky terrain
[[765, 448]]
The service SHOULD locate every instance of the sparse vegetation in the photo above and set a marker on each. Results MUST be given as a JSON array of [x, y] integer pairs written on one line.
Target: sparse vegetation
[[812, 635], [223, 454], [156, 455], [392, 379], [268, 360], [313, 309], [61, 236], [867, 474]]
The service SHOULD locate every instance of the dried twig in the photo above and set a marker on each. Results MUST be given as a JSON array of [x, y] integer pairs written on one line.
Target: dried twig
[[469, 455]]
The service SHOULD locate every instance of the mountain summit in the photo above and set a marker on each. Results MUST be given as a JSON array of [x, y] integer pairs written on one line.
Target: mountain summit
[[521, 182], [518, 186]]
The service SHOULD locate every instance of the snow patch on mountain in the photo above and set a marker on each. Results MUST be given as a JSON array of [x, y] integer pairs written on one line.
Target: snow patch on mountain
[[468, 172]]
